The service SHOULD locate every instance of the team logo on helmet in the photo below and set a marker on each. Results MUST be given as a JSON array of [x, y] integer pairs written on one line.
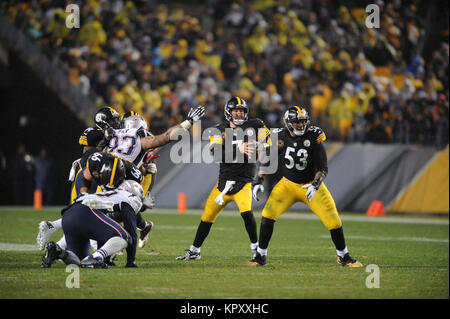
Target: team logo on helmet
[[295, 114], [107, 117]]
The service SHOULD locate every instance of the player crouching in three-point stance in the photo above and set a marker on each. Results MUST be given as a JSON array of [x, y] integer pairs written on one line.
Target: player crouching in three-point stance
[[303, 162]]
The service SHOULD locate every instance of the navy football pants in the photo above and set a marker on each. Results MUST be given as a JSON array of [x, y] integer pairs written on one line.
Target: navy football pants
[[81, 223]]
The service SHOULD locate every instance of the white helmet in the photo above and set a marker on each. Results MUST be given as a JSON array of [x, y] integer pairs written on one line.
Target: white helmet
[[135, 121], [133, 187]]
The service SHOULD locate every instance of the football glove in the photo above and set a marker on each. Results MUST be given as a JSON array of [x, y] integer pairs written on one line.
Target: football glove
[[228, 185], [150, 168], [311, 191], [149, 158], [256, 189], [76, 165], [196, 114], [149, 201], [109, 133]]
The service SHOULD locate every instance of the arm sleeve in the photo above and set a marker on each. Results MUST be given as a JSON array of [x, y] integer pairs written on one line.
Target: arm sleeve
[[321, 158]]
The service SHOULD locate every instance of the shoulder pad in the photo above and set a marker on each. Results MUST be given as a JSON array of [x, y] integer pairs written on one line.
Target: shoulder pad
[[256, 122], [318, 134], [90, 137]]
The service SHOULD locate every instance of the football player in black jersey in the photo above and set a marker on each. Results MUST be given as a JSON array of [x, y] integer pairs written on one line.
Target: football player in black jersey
[[92, 140], [303, 167], [235, 177], [107, 119]]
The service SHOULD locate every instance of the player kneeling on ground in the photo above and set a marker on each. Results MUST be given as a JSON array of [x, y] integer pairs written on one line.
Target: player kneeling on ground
[[87, 219]]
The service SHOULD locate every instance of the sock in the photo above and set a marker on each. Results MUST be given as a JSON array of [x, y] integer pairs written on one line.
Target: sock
[[265, 232], [140, 222], [62, 242], [250, 225], [343, 252], [262, 252], [202, 232], [112, 246], [337, 236], [254, 247], [57, 224], [194, 249]]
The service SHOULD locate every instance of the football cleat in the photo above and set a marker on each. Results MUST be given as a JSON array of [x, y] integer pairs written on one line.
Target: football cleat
[[52, 252], [109, 260], [348, 261], [143, 238], [189, 255], [91, 262], [258, 260], [46, 229]]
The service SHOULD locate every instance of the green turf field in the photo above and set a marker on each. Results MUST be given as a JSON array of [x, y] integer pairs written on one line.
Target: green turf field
[[411, 253]]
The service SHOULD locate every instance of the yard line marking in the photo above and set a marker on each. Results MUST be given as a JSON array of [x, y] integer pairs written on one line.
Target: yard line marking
[[311, 216], [419, 239], [287, 215], [189, 227], [18, 247]]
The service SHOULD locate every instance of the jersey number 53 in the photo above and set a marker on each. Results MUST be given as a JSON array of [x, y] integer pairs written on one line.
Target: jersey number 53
[[302, 156]]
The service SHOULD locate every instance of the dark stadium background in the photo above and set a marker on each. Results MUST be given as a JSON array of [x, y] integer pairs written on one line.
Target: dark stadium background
[[50, 124], [34, 116]]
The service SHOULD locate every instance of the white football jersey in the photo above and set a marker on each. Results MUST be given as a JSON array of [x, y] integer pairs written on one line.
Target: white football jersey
[[126, 144], [116, 196]]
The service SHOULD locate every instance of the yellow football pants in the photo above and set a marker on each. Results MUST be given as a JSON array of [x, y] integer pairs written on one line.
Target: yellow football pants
[[243, 200], [147, 182], [286, 193]]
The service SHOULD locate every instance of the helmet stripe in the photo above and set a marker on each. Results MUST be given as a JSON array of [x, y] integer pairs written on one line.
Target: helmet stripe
[[298, 109], [239, 100], [111, 181]]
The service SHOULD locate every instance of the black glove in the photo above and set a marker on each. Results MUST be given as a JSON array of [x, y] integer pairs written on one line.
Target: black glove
[[109, 133]]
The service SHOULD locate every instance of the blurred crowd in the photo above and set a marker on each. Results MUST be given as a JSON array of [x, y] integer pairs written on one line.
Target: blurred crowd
[[382, 85]]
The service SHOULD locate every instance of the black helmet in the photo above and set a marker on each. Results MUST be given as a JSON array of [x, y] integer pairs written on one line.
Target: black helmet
[[107, 117], [112, 173], [295, 114], [233, 104]]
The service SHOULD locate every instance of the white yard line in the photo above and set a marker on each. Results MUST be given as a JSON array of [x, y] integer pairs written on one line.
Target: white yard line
[[418, 239], [18, 247], [311, 216]]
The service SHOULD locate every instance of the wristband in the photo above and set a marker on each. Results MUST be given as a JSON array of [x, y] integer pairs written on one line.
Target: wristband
[[186, 125]]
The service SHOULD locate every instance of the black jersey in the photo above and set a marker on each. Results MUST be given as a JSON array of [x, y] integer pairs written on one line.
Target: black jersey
[[230, 167], [95, 161], [300, 157], [91, 136]]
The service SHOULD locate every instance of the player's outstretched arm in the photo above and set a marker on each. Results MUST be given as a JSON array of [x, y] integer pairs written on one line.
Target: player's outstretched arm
[[173, 132]]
